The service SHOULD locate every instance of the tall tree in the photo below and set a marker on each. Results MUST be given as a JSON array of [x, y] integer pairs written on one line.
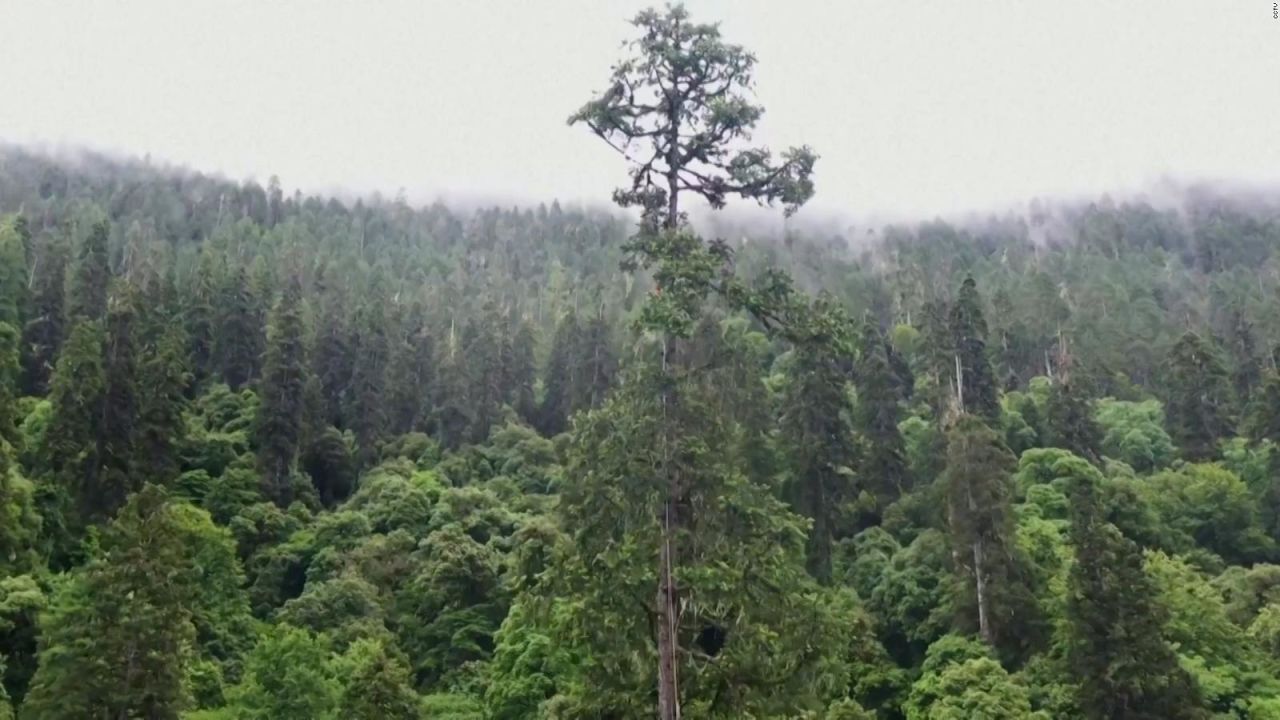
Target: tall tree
[[92, 275], [977, 390], [680, 104], [1199, 401], [117, 639], [239, 335], [43, 332], [116, 430], [164, 376], [279, 429], [882, 465], [69, 449], [1118, 657], [992, 585], [368, 392]]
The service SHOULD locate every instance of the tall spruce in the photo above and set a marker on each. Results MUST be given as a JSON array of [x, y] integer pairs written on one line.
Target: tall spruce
[[238, 341], [280, 414], [164, 377]]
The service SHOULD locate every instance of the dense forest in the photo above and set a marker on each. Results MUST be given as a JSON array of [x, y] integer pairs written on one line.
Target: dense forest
[[300, 457]]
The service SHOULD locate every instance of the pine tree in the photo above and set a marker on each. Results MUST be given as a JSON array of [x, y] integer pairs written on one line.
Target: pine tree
[[1123, 667], [280, 414], [92, 275], [977, 391], [1199, 405], [43, 332], [199, 318], [332, 356]]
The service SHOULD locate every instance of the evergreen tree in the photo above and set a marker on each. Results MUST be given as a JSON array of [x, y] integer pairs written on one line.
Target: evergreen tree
[[199, 317], [1070, 421], [977, 390], [882, 464], [116, 431], [238, 343], [117, 639], [992, 587], [518, 367], [279, 422], [13, 272], [163, 381], [819, 440], [92, 275], [69, 444], [560, 378], [486, 389], [1123, 667], [368, 395], [43, 332], [1199, 405]]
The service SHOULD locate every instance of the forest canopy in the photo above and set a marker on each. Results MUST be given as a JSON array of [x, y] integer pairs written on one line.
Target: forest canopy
[[269, 455]]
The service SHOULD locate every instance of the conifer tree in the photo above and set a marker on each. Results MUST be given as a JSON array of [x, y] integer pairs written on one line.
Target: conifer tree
[[882, 465], [199, 318], [13, 272], [993, 596], [332, 354], [518, 367], [163, 381], [117, 639], [819, 440], [43, 332], [367, 394], [1123, 667], [69, 445], [1070, 420], [117, 428], [977, 391], [486, 390], [1199, 407], [679, 106], [559, 380], [279, 429], [92, 275], [239, 337]]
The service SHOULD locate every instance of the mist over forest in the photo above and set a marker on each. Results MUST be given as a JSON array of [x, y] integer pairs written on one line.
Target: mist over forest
[[691, 448]]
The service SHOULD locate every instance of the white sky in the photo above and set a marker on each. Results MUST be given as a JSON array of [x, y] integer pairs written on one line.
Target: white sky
[[915, 107]]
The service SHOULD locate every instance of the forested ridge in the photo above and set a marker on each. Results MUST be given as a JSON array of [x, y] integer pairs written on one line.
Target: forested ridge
[[268, 455]]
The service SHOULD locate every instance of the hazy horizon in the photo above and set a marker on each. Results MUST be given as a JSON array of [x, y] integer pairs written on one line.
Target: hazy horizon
[[916, 111]]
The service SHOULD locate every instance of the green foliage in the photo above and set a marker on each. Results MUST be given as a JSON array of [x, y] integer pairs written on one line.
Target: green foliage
[[287, 676], [1133, 432]]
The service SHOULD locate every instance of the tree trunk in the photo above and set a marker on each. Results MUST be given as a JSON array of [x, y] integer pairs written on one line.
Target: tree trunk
[[668, 691], [980, 581]]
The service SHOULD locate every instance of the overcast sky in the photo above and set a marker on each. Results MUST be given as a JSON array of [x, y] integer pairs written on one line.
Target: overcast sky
[[915, 107]]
